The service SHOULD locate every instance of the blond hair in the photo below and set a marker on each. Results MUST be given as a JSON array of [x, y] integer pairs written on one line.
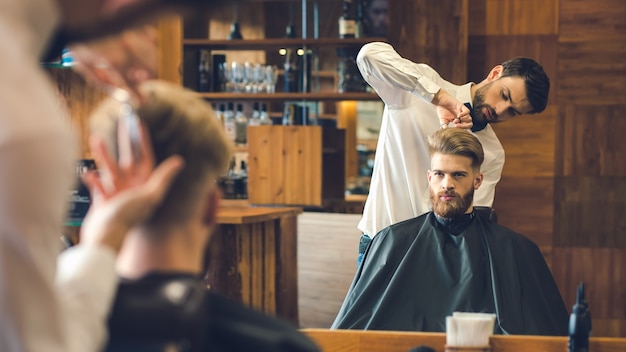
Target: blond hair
[[456, 141], [179, 123]]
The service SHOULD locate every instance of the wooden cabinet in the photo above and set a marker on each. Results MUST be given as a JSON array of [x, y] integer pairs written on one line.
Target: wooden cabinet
[[252, 258], [295, 165]]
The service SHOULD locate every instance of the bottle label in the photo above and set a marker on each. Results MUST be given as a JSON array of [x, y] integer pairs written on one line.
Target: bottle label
[[230, 129], [347, 28]]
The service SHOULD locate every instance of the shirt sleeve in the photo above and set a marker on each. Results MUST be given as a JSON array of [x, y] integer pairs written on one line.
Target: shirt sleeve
[[393, 77], [86, 285], [46, 307]]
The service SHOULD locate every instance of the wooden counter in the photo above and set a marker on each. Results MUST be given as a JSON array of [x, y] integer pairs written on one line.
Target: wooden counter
[[252, 258], [392, 341]]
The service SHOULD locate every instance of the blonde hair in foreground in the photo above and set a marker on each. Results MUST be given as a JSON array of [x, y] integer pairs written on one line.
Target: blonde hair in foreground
[[179, 123]]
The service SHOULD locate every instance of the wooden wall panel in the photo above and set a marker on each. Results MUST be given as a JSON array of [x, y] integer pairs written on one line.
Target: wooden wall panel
[[591, 172], [603, 270], [525, 205], [515, 17], [529, 143], [593, 142], [590, 212], [592, 46], [436, 35], [500, 30]]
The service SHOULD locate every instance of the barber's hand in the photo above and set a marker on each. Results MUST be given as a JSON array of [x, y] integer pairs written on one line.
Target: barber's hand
[[126, 192], [122, 61], [451, 110]]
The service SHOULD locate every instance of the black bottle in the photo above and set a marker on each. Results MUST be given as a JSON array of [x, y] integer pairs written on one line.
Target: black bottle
[[235, 32], [347, 25], [579, 323], [204, 73]]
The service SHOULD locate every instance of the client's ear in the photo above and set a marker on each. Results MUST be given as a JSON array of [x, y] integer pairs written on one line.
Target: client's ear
[[212, 202], [478, 180]]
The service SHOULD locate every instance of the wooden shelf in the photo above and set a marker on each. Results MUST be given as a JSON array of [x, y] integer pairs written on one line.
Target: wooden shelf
[[277, 43], [328, 96]]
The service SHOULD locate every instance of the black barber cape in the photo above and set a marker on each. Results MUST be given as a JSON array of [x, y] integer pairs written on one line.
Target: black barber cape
[[162, 311], [415, 273]]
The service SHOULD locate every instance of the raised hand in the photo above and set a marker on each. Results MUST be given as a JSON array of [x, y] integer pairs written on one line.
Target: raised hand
[[122, 61], [451, 111], [125, 192]]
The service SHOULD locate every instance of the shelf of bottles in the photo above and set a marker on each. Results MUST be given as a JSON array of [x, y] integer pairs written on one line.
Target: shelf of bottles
[[277, 43], [280, 96]]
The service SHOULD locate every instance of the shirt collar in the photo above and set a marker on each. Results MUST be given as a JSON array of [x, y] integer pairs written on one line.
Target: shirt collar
[[464, 93]]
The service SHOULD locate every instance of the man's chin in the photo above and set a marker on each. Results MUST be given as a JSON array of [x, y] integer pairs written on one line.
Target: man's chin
[[448, 211]]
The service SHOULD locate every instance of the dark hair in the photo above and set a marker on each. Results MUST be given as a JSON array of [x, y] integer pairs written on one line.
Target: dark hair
[[537, 81], [457, 141]]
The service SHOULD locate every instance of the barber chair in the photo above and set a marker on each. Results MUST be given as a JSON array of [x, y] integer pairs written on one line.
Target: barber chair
[[486, 213]]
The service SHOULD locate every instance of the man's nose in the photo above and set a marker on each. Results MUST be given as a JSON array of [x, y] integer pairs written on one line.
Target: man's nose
[[447, 183], [502, 107]]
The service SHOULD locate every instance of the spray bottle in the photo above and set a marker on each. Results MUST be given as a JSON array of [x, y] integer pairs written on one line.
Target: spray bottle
[[579, 323]]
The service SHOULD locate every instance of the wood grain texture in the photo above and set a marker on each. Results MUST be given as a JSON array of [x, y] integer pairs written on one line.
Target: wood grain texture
[[592, 141], [392, 341], [347, 119], [436, 35], [603, 270], [295, 165], [287, 268], [589, 212], [514, 17], [170, 49], [529, 143], [256, 264], [525, 205], [592, 46], [582, 54]]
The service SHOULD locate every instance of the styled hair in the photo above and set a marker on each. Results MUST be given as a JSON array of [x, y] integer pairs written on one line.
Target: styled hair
[[457, 141], [179, 123], [535, 78]]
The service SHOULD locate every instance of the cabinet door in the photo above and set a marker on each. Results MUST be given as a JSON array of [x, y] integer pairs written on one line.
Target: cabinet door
[[295, 165]]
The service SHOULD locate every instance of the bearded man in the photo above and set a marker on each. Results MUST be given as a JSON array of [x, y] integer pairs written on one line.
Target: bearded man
[[417, 272], [418, 101]]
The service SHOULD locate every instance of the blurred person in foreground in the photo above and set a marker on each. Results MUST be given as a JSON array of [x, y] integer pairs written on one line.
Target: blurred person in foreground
[[45, 305], [161, 264], [417, 272]]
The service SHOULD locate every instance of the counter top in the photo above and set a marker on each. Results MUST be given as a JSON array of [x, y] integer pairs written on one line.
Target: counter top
[[246, 214]]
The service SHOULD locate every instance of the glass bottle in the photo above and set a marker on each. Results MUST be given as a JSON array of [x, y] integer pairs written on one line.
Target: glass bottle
[[347, 24], [255, 119], [241, 125], [230, 127], [264, 116]]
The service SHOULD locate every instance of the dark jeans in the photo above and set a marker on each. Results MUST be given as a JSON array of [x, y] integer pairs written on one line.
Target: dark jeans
[[363, 244]]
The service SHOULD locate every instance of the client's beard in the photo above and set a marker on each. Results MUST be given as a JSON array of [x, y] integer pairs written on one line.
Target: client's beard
[[453, 208]]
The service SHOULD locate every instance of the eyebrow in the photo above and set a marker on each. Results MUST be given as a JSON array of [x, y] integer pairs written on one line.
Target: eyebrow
[[507, 91], [450, 172]]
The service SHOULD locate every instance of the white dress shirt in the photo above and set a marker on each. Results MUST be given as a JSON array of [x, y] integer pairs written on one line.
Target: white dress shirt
[[399, 186], [44, 306]]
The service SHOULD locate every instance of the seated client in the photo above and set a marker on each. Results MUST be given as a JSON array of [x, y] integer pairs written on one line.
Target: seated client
[[162, 303], [417, 272]]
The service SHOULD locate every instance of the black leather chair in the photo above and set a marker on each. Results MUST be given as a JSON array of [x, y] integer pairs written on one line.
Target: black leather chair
[[486, 213]]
